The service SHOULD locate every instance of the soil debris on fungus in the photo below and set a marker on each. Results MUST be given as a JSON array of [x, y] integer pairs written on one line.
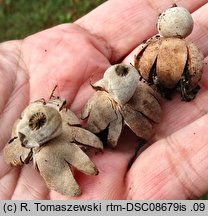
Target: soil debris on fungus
[[121, 99], [51, 136], [169, 61]]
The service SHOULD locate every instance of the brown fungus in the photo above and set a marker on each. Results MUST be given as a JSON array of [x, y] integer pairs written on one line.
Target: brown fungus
[[50, 135], [169, 61], [133, 103]]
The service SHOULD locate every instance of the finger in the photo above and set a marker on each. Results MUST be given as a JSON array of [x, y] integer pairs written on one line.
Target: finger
[[173, 168], [125, 24], [13, 87], [8, 178], [200, 30]]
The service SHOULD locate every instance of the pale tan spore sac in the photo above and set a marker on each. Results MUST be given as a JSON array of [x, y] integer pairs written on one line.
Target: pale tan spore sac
[[51, 136], [139, 112], [168, 60], [175, 22]]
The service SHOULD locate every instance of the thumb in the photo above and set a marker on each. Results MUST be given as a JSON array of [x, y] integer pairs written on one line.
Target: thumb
[[174, 167]]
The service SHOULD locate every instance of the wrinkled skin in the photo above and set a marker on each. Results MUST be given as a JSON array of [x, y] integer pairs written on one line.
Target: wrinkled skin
[[173, 167]]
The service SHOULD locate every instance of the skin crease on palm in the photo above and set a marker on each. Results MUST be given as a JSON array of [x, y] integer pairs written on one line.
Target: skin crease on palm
[[174, 166]]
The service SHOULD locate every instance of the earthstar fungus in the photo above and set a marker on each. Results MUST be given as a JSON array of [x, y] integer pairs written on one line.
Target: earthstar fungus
[[121, 99], [50, 135], [169, 61]]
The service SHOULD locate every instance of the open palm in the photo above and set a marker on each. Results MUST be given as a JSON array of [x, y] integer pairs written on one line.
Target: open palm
[[173, 167]]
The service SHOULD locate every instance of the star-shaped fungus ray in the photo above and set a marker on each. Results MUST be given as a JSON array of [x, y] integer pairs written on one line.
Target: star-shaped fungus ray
[[14, 153], [102, 113], [55, 160]]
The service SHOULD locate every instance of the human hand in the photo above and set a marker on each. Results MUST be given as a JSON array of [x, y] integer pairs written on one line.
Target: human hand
[[173, 167]]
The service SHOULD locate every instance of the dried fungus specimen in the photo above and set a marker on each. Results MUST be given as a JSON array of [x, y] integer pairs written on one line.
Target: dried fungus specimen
[[50, 135], [168, 60], [120, 98]]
